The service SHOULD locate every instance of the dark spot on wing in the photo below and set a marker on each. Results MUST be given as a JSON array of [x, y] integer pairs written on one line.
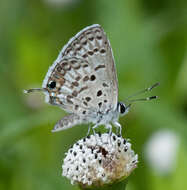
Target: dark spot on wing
[[74, 93], [84, 42], [99, 37], [85, 65], [96, 50], [73, 61], [99, 67], [75, 64], [99, 93], [69, 99], [59, 68], [68, 50], [85, 56], [88, 32], [88, 99], [90, 53], [76, 107], [105, 85], [79, 48], [102, 51], [86, 78], [66, 66], [97, 31], [75, 83], [83, 88], [85, 103], [91, 38], [100, 104], [92, 78], [77, 78]]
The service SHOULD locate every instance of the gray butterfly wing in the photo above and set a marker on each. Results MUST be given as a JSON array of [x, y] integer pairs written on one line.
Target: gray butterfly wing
[[85, 75], [71, 77], [92, 45], [68, 121]]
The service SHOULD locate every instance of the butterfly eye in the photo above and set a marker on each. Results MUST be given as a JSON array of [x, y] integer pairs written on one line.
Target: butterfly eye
[[51, 84], [121, 108]]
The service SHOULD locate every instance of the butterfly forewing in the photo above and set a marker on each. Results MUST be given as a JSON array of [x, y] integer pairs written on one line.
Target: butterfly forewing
[[92, 44], [84, 74]]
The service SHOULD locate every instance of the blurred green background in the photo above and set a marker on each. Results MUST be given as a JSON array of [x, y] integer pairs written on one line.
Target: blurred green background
[[149, 40]]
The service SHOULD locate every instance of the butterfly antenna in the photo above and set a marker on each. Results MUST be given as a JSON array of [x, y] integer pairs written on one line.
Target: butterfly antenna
[[35, 90], [143, 99], [143, 91]]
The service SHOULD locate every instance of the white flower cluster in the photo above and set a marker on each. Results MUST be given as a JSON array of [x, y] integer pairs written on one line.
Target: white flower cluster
[[99, 159]]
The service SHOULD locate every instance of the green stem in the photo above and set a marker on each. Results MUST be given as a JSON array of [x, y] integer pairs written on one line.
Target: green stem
[[120, 185]]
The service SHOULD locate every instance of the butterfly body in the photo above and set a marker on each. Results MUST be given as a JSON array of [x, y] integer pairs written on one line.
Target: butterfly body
[[96, 118], [83, 81]]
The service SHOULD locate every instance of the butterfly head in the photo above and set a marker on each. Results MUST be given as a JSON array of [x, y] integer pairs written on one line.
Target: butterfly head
[[122, 108], [51, 90]]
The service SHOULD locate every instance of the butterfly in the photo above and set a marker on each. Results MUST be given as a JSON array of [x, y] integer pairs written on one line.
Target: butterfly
[[83, 82]]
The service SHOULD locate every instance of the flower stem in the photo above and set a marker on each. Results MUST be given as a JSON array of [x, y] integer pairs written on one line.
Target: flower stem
[[120, 185]]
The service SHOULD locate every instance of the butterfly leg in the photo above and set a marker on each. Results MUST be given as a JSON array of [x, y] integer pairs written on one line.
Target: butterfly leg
[[109, 126], [93, 128], [88, 130], [118, 127]]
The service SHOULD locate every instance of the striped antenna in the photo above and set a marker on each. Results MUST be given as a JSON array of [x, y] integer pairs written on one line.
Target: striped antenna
[[141, 92], [144, 90], [34, 90], [143, 99]]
